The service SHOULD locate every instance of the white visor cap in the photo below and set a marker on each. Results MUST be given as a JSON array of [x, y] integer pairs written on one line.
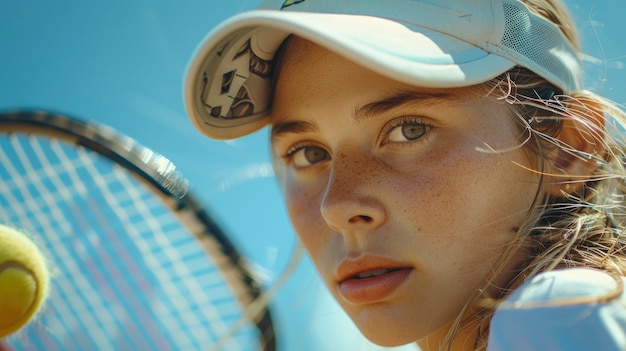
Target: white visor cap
[[434, 44]]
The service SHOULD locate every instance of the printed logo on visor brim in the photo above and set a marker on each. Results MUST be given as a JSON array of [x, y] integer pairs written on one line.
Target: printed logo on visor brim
[[288, 3]]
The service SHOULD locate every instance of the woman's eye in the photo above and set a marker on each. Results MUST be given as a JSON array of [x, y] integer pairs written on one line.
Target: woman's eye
[[408, 131], [305, 156]]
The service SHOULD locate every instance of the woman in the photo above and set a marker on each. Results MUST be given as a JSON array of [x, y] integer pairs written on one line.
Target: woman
[[450, 179]]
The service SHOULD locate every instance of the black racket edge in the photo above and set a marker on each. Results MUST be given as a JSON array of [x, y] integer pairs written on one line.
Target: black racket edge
[[155, 170], [123, 150]]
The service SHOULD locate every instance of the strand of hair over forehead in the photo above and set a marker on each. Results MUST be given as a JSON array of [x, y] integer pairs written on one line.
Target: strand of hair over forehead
[[556, 106]]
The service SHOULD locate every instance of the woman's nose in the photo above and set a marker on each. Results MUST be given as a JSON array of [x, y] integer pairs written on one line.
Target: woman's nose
[[350, 202]]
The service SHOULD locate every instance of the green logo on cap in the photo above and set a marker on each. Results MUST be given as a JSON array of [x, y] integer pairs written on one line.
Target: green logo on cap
[[288, 3]]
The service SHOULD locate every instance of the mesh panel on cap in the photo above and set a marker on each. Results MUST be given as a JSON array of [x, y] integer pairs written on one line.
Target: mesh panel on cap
[[549, 56]]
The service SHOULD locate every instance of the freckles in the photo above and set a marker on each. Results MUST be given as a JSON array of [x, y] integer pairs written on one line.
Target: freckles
[[301, 206], [429, 204], [300, 202], [306, 220]]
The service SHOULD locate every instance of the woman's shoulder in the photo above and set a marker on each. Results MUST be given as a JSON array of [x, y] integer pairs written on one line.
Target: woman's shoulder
[[573, 285], [568, 309]]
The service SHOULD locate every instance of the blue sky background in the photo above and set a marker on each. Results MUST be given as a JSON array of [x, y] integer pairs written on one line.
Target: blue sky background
[[122, 63]]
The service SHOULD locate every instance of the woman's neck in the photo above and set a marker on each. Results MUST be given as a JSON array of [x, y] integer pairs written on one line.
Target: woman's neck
[[463, 340]]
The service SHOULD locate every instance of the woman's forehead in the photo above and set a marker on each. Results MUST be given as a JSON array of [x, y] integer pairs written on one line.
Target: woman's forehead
[[313, 82], [300, 57]]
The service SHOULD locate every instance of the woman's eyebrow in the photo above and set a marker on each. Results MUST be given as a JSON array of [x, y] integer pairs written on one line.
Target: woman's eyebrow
[[427, 99], [296, 126]]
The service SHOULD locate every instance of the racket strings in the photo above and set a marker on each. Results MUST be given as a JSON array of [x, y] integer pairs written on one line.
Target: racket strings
[[129, 275], [31, 203]]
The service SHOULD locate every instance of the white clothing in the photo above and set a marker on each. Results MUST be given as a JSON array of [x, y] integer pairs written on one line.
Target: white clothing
[[536, 316]]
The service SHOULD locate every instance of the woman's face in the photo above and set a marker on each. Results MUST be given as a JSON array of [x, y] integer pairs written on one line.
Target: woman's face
[[392, 192]]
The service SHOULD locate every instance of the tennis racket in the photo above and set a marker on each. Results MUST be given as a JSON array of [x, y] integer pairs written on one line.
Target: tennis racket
[[137, 263]]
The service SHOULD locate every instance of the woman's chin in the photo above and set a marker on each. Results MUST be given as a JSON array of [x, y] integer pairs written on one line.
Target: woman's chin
[[385, 333]]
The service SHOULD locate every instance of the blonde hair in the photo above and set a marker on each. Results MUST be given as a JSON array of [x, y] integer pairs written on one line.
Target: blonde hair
[[581, 224]]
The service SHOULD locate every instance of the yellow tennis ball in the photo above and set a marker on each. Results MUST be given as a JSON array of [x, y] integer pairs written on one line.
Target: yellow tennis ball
[[23, 280]]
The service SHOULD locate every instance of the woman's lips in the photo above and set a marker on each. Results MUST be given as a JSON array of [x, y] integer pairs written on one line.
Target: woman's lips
[[370, 278]]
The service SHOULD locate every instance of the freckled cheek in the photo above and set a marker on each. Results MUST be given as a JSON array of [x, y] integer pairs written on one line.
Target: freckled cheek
[[464, 199], [424, 196], [440, 215], [450, 227], [303, 207]]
